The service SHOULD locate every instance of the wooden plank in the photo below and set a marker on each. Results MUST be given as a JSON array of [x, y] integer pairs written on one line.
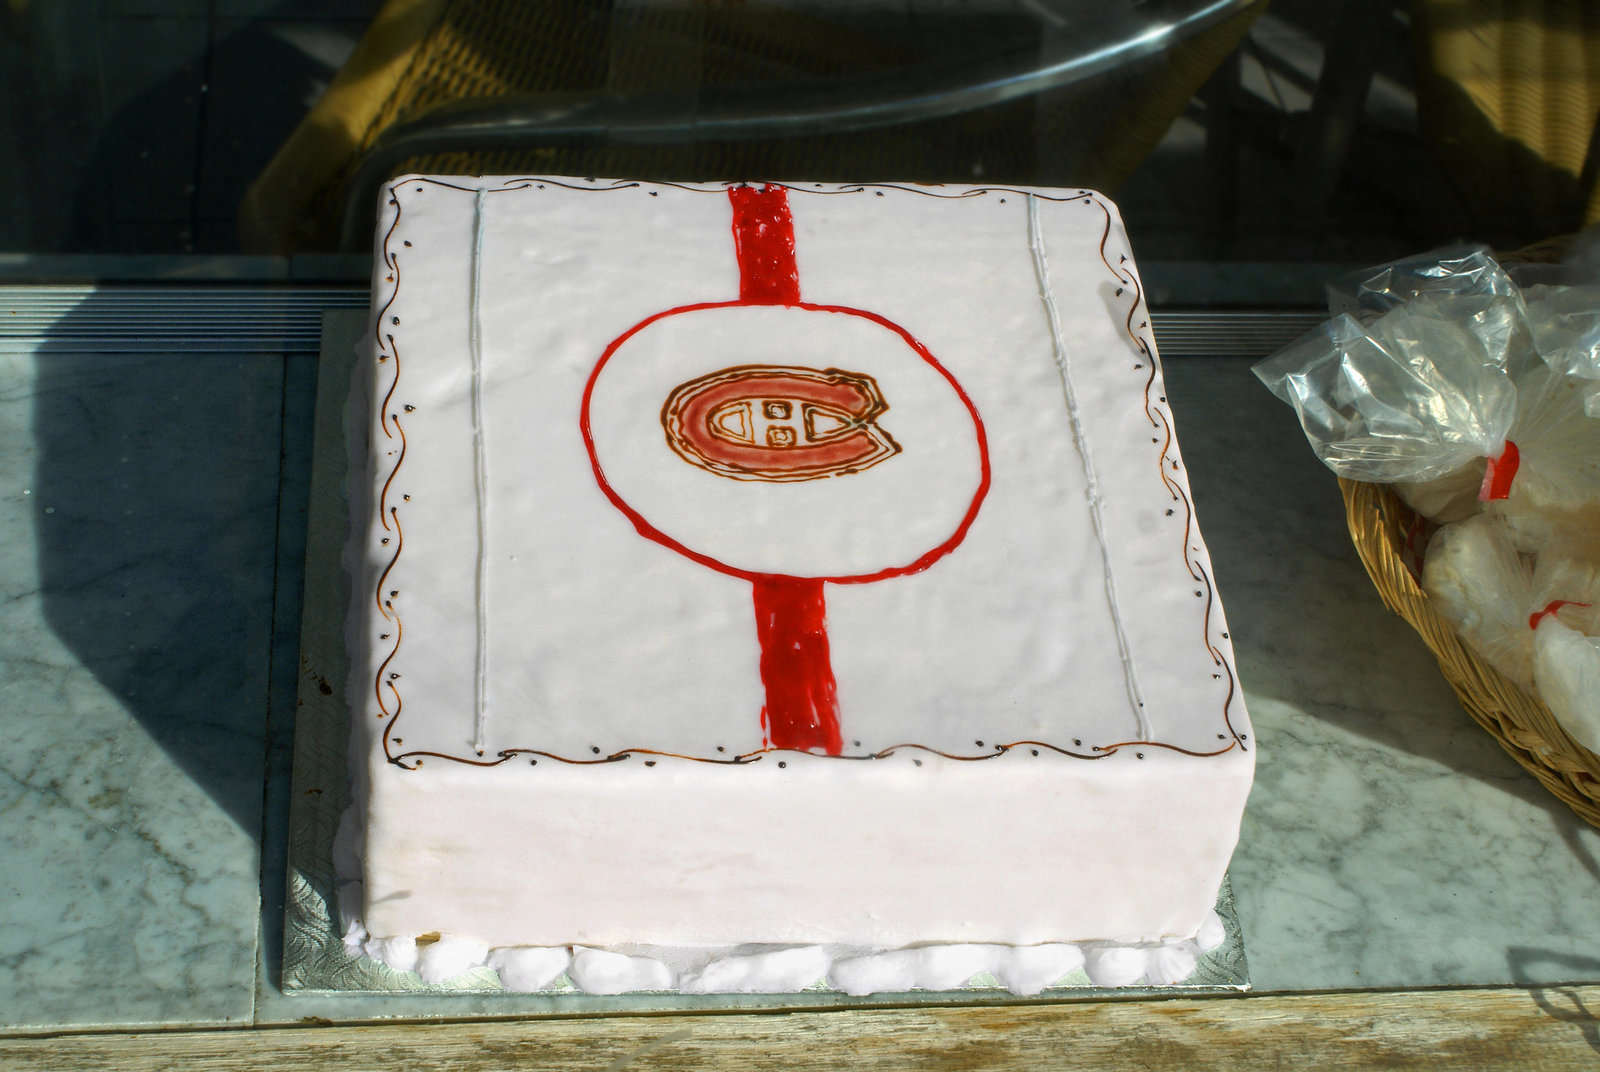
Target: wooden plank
[[1549, 1027]]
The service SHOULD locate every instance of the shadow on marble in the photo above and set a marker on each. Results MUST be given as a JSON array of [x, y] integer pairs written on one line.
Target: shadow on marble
[[1389, 841], [1318, 633], [137, 537], [155, 495]]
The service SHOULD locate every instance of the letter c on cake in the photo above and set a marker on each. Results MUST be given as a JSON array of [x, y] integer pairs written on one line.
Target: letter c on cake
[[778, 423]]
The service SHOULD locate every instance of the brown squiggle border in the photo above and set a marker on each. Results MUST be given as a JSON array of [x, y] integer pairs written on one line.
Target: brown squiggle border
[[415, 757], [388, 351]]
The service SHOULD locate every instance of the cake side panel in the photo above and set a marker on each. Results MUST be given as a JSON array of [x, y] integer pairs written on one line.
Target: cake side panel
[[1015, 851]]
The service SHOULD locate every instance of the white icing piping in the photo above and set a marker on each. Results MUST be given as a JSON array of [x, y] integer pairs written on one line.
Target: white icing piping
[[777, 969], [1059, 349], [480, 479]]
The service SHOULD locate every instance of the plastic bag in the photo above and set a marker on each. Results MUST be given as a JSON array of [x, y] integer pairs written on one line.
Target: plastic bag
[[1556, 461], [1415, 394], [1438, 375], [1536, 621], [1566, 667], [1550, 461], [1533, 529], [1564, 323], [1466, 270], [1566, 636], [1448, 499], [1567, 572], [1474, 577]]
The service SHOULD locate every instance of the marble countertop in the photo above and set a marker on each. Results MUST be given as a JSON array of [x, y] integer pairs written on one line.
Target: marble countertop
[[152, 520]]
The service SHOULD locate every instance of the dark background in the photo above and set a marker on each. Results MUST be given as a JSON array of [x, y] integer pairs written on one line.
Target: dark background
[[135, 127]]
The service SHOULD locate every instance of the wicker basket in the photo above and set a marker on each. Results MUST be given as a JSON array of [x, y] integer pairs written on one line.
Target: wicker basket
[[1382, 528]]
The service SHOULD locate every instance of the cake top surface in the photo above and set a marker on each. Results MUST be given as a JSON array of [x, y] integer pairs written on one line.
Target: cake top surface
[[721, 473]]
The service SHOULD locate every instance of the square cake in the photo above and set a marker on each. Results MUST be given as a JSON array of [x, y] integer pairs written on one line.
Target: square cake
[[756, 585]]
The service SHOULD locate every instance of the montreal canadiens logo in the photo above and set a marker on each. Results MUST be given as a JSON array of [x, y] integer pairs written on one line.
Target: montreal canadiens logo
[[773, 464], [778, 423]]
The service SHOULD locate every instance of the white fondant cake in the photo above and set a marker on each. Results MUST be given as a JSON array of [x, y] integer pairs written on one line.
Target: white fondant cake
[[810, 568]]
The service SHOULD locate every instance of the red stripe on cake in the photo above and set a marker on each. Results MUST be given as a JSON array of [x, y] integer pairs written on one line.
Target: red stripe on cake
[[802, 708], [763, 240]]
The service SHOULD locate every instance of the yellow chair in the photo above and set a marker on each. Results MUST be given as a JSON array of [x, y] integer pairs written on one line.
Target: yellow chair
[[1508, 97]]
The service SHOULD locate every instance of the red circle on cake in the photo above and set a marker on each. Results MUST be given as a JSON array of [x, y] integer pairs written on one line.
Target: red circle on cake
[[649, 530]]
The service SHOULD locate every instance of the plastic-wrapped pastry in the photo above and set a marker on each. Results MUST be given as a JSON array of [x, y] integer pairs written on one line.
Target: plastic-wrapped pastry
[[1566, 636], [1414, 395], [1566, 668], [1476, 579], [1533, 528], [1568, 570], [1548, 464], [1557, 445], [1438, 367], [1448, 499], [1478, 402], [1538, 624]]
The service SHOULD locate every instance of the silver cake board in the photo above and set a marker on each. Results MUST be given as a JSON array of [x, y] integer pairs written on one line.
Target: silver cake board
[[315, 959]]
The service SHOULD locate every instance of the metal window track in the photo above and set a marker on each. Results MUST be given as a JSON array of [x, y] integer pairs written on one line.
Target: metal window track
[[172, 320]]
